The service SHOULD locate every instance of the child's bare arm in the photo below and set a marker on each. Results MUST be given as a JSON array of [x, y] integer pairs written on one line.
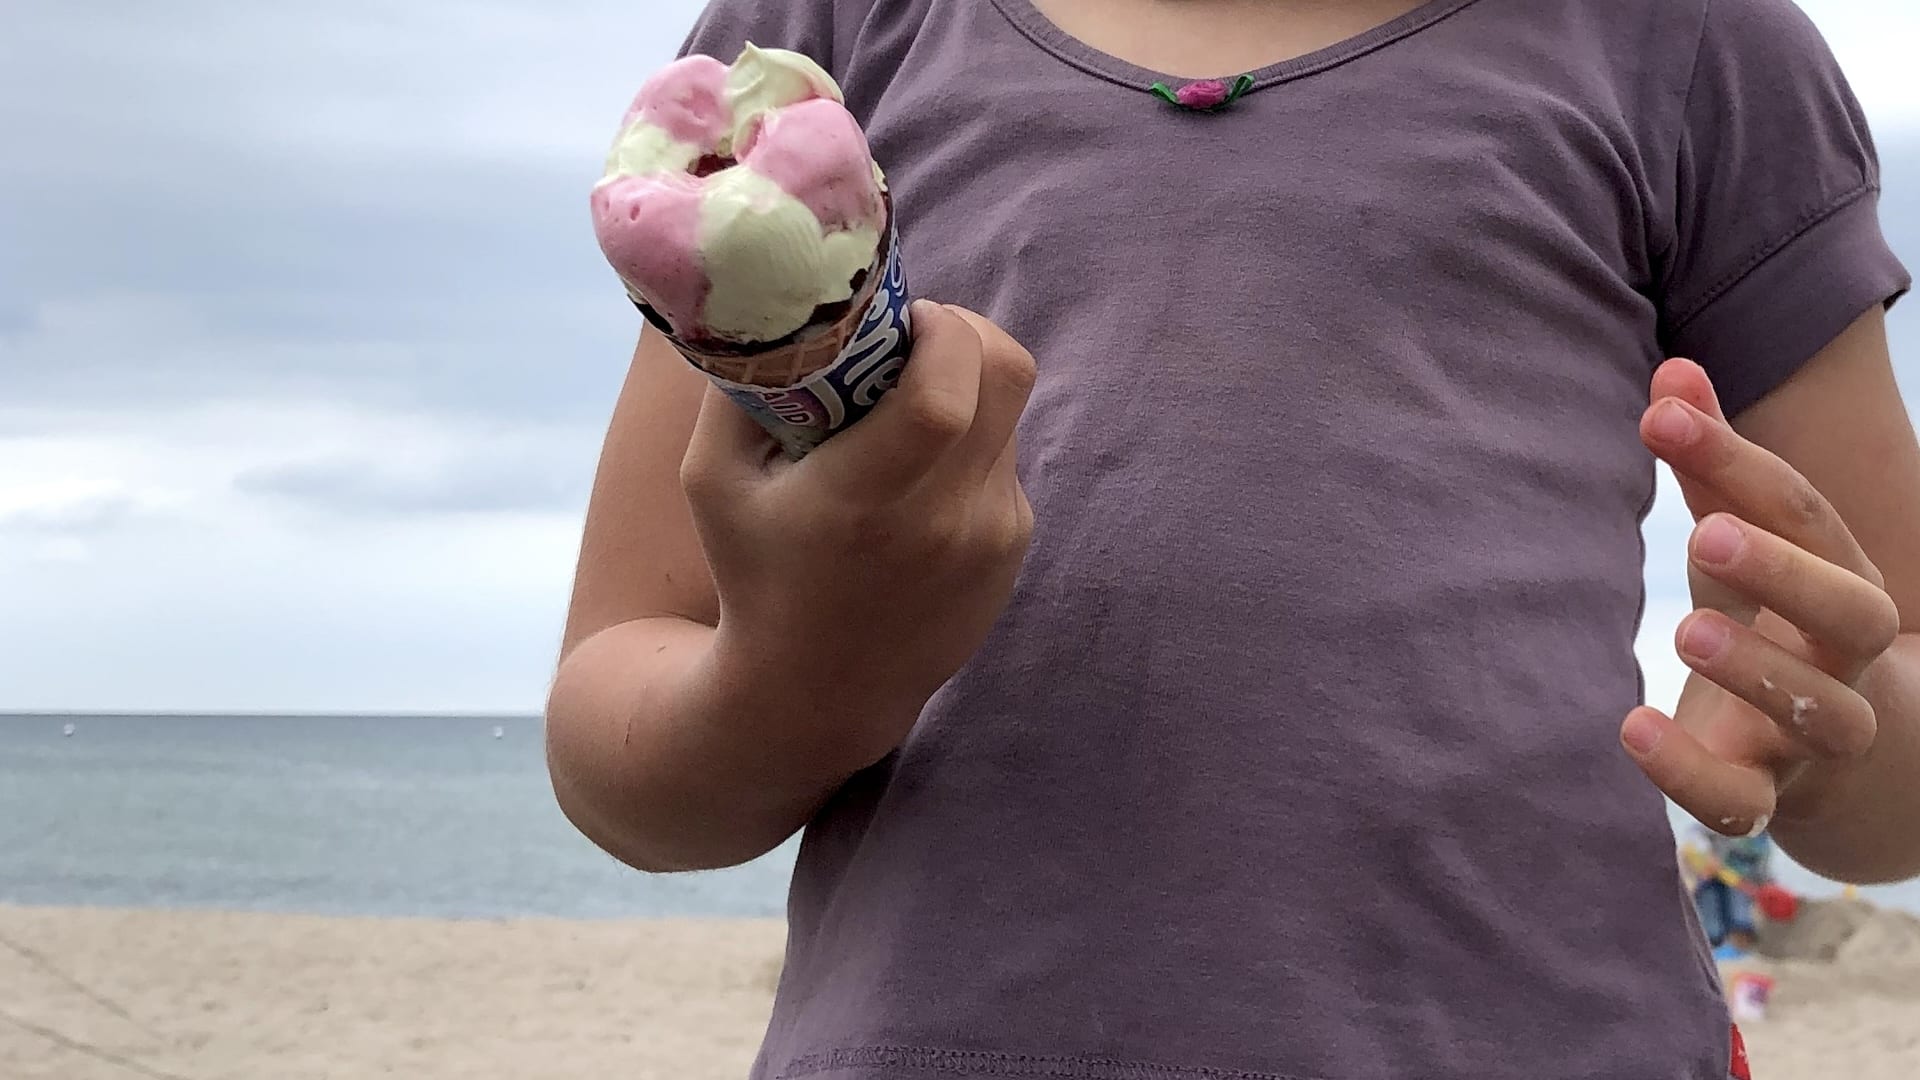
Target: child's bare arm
[[1845, 428], [746, 632], [640, 622], [1811, 719]]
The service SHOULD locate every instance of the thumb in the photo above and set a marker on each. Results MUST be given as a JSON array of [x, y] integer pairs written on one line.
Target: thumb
[[728, 446]]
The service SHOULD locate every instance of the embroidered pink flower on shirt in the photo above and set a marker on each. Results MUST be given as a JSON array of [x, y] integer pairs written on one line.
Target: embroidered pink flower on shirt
[[1204, 95]]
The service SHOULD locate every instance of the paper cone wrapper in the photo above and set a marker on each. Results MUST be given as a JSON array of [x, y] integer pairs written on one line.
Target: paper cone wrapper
[[826, 375]]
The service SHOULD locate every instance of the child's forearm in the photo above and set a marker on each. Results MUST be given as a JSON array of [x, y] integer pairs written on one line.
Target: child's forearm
[[669, 763], [1860, 821]]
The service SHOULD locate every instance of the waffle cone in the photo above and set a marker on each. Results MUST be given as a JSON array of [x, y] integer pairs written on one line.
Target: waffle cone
[[810, 349]]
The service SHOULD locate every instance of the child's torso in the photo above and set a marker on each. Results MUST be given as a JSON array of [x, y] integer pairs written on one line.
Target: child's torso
[[1295, 752]]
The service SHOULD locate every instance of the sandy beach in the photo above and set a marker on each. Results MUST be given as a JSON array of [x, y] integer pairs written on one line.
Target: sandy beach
[[102, 994], [88, 994]]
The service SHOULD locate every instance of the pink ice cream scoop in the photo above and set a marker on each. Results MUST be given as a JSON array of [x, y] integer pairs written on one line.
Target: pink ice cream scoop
[[740, 199]]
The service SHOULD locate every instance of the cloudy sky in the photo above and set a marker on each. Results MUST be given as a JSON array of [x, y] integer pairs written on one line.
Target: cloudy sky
[[306, 350]]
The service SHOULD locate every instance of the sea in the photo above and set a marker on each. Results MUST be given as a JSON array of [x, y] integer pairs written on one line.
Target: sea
[[448, 816]]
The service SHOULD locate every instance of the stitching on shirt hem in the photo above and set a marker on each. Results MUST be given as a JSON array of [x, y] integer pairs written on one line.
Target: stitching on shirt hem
[[929, 1059], [1806, 224]]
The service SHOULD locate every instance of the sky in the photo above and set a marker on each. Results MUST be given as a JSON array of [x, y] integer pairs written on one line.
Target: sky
[[306, 349]]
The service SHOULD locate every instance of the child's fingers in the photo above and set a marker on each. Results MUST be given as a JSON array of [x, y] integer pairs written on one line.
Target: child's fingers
[[1821, 715], [1688, 381], [1006, 381], [726, 450], [1849, 620], [918, 422], [1730, 799], [1729, 472]]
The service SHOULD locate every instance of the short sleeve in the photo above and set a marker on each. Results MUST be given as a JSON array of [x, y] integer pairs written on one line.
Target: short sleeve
[[802, 26], [1776, 243]]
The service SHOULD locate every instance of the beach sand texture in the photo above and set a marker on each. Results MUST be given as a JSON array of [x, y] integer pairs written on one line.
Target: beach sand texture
[[102, 994]]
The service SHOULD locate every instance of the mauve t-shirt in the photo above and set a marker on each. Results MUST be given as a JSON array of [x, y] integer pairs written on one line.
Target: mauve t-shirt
[[1295, 756]]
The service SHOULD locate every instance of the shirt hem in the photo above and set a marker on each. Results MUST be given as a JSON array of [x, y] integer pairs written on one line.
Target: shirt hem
[[892, 1060], [1789, 300], [877, 1062], [1808, 222]]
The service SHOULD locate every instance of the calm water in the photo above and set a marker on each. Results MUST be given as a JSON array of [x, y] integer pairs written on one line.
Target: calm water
[[359, 815], [347, 815]]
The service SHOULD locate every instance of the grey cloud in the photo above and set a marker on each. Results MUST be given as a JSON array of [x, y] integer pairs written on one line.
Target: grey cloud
[[1900, 197], [361, 201], [549, 357], [343, 84], [78, 518], [1900, 217], [523, 479], [358, 201]]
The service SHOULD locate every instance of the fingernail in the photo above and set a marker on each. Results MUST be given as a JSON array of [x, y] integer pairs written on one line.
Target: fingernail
[[1641, 735], [1705, 639], [1672, 423], [1717, 541]]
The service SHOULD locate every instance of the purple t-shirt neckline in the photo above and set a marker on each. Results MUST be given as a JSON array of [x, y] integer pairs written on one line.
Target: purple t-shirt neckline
[[1295, 755], [1045, 33]]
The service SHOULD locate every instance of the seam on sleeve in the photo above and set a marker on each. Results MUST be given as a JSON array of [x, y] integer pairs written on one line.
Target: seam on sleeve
[[1806, 223], [1670, 221], [1693, 75]]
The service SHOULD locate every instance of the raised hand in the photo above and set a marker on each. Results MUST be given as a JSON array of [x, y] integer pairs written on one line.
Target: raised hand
[[867, 573], [1789, 614]]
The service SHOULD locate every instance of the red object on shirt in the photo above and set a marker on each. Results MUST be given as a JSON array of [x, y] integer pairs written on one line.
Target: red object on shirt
[[1739, 1069]]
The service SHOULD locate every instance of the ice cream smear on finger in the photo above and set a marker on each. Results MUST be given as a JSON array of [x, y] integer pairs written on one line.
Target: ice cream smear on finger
[[738, 200]]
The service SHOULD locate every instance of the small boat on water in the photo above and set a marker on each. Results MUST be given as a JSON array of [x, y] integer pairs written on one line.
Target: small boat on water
[[66, 730], [499, 731]]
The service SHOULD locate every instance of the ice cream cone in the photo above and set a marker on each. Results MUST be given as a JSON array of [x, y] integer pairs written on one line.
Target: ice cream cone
[[789, 361], [826, 375], [742, 207]]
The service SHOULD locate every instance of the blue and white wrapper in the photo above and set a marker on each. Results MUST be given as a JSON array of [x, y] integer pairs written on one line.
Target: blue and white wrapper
[[833, 374]]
